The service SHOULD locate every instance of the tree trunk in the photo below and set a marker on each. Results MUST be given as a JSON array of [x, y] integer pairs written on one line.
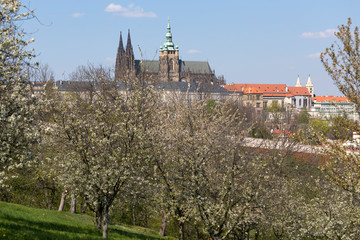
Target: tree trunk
[[83, 209], [257, 234], [52, 195], [105, 226], [133, 214], [98, 219], [163, 223], [62, 202], [73, 204], [181, 231]]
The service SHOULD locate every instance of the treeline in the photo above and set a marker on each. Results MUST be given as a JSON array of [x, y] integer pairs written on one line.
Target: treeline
[[180, 165]]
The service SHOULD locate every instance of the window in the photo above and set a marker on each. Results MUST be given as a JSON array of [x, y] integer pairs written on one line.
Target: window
[[258, 104], [257, 97]]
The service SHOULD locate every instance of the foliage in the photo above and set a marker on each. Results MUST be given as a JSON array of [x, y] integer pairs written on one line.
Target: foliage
[[320, 125], [260, 131], [274, 108], [342, 128], [101, 137], [210, 105], [209, 178], [341, 61], [17, 131], [304, 117], [274, 112]]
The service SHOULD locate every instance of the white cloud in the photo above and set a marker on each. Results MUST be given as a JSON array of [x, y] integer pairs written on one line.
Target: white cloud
[[112, 7], [77, 15], [324, 34], [193, 51], [314, 55], [130, 11]]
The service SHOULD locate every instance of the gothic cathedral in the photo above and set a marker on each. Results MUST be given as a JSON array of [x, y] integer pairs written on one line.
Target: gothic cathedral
[[169, 68]]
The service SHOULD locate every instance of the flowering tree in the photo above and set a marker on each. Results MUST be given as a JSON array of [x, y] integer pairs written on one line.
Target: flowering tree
[[101, 132], [341, 61], [208, 176], [16, 104]]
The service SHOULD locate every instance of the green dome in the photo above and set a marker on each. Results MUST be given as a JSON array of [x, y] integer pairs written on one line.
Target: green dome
[[168, 45]]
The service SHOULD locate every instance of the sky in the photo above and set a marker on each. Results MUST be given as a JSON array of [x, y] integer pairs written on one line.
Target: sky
[[252, 41]]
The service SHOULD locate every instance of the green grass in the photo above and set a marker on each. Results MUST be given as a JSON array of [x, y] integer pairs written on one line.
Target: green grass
[[20, 222]]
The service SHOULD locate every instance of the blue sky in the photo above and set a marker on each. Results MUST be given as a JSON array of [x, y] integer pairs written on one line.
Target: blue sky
[[253, 41]]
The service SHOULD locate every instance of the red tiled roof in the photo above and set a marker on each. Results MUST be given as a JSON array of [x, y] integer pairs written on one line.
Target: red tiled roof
[[330, 99], [279, 132], [242, 88], [299, 91], [264, 88]]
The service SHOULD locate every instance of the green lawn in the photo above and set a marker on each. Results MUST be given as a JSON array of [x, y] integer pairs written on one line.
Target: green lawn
[[20, 222]]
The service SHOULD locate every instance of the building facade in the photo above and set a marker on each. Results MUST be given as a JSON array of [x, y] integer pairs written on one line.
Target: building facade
[[328, 107]]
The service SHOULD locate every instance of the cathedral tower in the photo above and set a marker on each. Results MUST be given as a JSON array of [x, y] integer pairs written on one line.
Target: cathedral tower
[[130, 56], [310, 86], [120, 68], [298, 84], [125, 60], [169, 67]]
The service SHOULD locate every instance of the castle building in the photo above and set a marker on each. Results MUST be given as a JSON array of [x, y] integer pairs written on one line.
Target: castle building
[[169, 67]]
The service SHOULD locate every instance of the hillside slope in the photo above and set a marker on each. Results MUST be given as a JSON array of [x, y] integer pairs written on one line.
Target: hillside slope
[[20, 222]]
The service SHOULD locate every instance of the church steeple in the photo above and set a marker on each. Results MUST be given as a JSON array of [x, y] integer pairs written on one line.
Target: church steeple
[[298, 84], [310, 86], [129, 48], [309, 83], [168, 45], [121, 50], [120, 60], [169, 64], [130, 54]]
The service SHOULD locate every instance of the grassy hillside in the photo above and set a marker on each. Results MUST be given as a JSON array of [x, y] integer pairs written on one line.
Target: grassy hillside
[[20, 222]]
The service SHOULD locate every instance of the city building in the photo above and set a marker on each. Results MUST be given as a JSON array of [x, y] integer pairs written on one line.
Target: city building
[[249, 96], [297, 97], [328, 107], [286, 97], [300, 97]]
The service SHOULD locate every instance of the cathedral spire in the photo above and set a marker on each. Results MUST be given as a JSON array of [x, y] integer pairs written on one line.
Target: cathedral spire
[[130, 55], [121, 50], [310, 86], [120, 61], [168, 45], [309, 83], [298, 84], [129, 48]]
